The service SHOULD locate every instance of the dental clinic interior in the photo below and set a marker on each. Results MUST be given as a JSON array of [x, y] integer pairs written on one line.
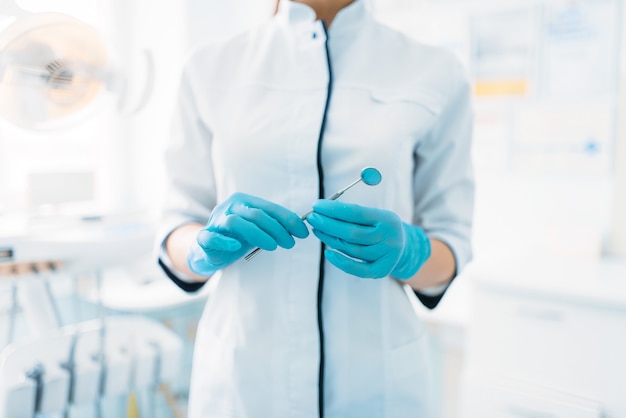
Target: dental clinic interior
[[93, 326]]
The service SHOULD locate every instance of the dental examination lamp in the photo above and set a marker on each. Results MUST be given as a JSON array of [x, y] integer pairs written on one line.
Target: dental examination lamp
[[54, 69]]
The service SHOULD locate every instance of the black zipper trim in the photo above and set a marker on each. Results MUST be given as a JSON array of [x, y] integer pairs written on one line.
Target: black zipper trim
[[321, 194]]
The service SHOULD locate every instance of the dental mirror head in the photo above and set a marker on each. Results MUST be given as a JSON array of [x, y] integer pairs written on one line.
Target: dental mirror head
[[371, 176]]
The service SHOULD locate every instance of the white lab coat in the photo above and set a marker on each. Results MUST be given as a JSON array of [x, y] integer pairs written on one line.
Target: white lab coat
[[251, 110]]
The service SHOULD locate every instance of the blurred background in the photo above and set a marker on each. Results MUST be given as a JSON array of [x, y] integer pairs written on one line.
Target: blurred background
[[534, 326]]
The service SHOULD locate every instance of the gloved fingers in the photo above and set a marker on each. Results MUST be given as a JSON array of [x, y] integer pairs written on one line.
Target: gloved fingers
[[346, 231], [210, 240], [358, 268], [239, 228], [349, 212], [288, 219], [213, 250], [221, 259], [384, 265], [206, 262], [198, 263], [265, 222], [367, 253]]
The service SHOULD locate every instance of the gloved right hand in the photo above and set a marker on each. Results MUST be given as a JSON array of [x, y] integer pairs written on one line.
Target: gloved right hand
[[239, 224]]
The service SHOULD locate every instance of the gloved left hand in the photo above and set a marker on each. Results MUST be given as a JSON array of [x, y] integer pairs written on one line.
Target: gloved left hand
[[238, 224], [368, 242]]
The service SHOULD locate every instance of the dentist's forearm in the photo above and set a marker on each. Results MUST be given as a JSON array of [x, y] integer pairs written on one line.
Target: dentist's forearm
[[438, 270], [177, 246]]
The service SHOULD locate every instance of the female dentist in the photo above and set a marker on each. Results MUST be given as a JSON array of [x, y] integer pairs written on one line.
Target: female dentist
[[271, 121]]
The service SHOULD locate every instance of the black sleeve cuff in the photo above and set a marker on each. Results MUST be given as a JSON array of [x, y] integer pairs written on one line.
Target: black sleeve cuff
[[431, 302], [186, 286]]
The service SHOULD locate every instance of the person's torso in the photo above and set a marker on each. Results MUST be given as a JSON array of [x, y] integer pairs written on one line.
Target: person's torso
[[264, 97]]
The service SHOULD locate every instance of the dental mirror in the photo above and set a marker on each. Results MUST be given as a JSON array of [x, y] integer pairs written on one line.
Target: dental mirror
[[369, 175]]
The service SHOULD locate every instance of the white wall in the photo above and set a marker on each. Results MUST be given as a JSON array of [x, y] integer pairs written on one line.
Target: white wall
[[535, 200], [212, 19], [170, 29], [158, 29], [617, 238], [539, 193]]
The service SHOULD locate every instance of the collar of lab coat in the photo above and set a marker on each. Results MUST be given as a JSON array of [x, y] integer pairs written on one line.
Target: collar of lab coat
[[294, 13]]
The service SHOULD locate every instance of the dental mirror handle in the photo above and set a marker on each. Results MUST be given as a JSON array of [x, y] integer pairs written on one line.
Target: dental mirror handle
[[334, 196], [303, 217]]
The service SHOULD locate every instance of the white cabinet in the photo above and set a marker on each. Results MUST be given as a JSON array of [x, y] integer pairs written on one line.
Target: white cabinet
[[492, 397], [544, 332]]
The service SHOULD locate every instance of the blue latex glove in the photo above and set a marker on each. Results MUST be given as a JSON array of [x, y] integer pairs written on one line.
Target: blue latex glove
[[367, 242], [239, 224]]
